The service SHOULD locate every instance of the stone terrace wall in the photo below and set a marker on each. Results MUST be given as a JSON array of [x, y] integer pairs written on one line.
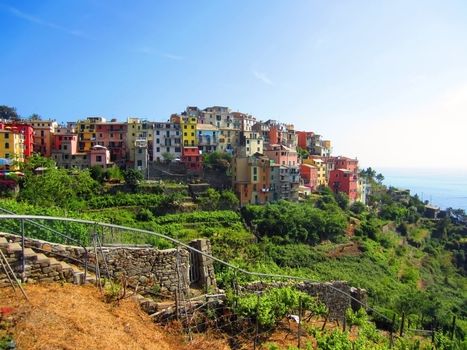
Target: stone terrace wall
[[145, 268], [336, 302]]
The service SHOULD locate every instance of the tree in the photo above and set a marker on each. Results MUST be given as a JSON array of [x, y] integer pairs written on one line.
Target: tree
[[132, 178], [57, 187], [302, 153], [168, 157], [97, 173], [8, 113], [357, 207], [228, 201], [380, 178], [217, 160], [342, 200], [114, 174], [36, 161], [35, 116], [210, 200]]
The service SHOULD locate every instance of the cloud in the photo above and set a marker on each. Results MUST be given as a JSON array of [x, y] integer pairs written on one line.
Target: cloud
[[39, 21], [262, 77]]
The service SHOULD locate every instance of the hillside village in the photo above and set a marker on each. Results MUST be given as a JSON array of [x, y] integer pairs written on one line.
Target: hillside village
[[267, 161]]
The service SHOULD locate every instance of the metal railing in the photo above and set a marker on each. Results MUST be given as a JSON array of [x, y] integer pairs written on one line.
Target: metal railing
[[177, 242], [50, 229]]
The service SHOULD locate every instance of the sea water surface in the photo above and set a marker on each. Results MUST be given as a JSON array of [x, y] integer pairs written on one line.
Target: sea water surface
[[444, 188]]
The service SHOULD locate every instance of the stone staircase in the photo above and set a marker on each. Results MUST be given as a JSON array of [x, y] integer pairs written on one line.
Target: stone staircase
[[39, 267]]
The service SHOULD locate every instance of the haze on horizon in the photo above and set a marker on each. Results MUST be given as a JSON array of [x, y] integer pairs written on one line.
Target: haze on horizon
[[385, 81]]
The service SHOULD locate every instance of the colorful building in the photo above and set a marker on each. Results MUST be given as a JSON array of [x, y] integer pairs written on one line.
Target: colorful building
[[188, 128], [11, 146], [191, 158], [208, 138], [284, 182], [249, 143], [309, 174], [252, 179], [43, 134], [282, 155], [113, 136], [304, 139], [320, 165], [139, 129], [346, 181], [28, 134], [99, 155], [345, 163], [87, 135], [167, 140]]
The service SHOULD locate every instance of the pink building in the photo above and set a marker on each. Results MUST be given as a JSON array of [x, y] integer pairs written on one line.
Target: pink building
[[309, 174], [282, 155], [99, 155], [113, 136]]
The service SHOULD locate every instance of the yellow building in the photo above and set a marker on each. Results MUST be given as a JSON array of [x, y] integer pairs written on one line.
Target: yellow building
[[138, 130], [321, 168], [86, 130], [11, 146], [188, 127]]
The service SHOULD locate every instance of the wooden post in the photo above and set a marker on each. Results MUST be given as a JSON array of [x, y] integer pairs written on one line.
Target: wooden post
[[256, 324], [299, 320], [401, 333]]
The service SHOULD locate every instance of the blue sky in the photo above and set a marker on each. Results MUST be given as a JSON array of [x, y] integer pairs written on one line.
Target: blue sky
[[385, 80]]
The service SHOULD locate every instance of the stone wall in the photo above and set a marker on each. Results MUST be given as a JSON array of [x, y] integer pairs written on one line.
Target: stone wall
[[148, 269], [207, 277], [337, 295]]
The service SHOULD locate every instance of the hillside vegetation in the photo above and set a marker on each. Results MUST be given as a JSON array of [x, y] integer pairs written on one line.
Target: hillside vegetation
[[408, 264]]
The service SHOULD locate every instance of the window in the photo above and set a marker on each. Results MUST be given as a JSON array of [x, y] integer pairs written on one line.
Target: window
[[157, 132], [7, 145], [99, 159], [140, 150], [7, 155], [158, 149], [168, 149]]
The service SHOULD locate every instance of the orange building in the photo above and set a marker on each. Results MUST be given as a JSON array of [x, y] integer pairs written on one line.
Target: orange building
[[252, 179]]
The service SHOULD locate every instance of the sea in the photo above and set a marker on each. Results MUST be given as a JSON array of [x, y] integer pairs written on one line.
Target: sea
[[444, 188]]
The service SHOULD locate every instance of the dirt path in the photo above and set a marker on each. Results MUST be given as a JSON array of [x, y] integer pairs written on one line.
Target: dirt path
[[75, 317]]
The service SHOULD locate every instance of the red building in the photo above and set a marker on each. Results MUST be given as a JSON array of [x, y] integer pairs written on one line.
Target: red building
[[113, 136], [191, 158], [28, 134], [344, 180], [303, 138], [309, 174], [345, 163]]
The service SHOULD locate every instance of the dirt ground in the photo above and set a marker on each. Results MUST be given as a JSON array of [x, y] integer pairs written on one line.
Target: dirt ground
[[65, 316]]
